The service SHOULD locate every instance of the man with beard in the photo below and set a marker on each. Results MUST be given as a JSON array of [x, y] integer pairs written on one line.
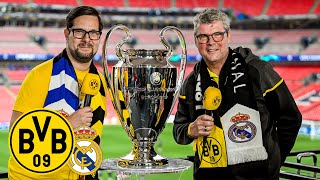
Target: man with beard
[[56, 84], [253, 130]]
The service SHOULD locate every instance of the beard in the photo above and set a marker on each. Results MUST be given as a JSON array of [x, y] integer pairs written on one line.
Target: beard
[[82, 57]]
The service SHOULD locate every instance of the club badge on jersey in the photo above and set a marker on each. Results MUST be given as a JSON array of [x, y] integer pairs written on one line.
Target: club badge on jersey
[[87, 156]]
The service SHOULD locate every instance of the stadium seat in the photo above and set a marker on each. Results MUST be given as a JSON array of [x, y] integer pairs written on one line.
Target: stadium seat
[[149, 4], [56, 2], [317, 10], [312, 114], [312, 49], [296, 73], [14, 34], [289, 7], [15, 89], [109, 3], [308, 98], [6, 103], [16, 75], [294, 86], [196, 3], [15, 1], [249, 7]]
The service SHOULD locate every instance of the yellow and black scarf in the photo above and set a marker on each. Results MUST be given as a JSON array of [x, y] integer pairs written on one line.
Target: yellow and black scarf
[[236, 89]]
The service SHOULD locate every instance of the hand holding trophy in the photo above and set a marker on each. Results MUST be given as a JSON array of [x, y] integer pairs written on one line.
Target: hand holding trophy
[[144, 86]]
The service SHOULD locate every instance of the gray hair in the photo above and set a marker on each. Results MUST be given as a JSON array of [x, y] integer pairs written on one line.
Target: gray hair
[[209, 16]]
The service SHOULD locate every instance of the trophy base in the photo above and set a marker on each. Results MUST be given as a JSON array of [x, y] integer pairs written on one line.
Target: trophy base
[[173, 166], [130, 161]]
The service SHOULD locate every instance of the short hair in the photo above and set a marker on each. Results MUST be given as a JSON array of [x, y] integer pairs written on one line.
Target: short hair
[[210, 15], [80, 11]]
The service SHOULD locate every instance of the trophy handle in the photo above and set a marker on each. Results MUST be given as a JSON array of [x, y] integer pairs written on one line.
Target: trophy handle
[[182, 62], [120, 43], [114, 84]]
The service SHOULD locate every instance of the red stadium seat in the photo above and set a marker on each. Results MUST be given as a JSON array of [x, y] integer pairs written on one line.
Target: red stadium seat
[[196, 3], [289, 7], [296, 73], [16, 75], [149, 4], [109, 3], [308, 98], [312, 114], [249, 7], [56, 2], [294, 86], [14, 34], [15, 89], [6, 103], [317, 10], [15, 1]]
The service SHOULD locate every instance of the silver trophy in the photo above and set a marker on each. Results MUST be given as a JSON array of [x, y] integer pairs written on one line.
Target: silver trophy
[[144, 86]]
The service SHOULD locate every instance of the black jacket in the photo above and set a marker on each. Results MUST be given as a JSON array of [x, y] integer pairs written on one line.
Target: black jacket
[[279, 116]]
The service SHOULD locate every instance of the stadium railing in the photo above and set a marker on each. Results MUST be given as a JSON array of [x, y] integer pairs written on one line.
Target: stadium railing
[[309, 169]]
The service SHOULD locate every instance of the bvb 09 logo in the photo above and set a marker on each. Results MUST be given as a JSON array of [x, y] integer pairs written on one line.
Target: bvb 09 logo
[[210, 150], [94, 84], [41, 141]]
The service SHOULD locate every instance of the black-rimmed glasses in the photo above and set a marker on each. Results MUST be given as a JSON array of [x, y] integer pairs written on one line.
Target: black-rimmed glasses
[[204, 38], [81, 33]]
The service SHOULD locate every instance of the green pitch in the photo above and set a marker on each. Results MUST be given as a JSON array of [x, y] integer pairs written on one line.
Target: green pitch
[[115, 143]]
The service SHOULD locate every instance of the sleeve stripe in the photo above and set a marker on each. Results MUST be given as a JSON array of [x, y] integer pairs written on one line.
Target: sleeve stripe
[[182, 97], [273, 88]]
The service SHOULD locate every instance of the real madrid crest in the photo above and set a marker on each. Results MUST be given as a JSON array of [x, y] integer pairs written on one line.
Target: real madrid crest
[[87, 156], [242, 130]]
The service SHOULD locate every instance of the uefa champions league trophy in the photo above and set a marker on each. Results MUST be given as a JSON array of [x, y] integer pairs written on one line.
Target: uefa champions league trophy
[[144, 86]]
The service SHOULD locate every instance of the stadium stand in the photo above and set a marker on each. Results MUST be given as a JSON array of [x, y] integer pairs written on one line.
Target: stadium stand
[[308, 97], [251, 8], [317, 9], [196, 3], [149, 4], [110, 3], [15, 1], [289, 7], [56, 2], [313, 49], [14, 35], [6, 103], [312, 114], [296, 73], [282, 42], [14, 89], [247, 7], [16, 76]]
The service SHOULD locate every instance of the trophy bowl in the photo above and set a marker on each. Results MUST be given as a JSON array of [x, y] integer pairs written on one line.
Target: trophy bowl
[[144, 86]]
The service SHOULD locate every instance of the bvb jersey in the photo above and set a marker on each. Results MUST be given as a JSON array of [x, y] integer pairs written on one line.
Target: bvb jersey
[[32, 95]]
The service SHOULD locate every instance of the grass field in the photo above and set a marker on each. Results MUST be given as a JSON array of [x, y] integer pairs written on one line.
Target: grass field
[[115, 143]]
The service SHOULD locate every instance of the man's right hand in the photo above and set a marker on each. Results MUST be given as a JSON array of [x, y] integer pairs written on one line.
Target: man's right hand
[[202, 126], [81, 117]]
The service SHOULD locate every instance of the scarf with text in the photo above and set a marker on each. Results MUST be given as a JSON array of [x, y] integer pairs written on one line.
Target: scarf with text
[[236, 136]]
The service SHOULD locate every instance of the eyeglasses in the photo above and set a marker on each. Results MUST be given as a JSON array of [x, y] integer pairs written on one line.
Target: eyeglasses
[[204, 38], [81, 33]]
